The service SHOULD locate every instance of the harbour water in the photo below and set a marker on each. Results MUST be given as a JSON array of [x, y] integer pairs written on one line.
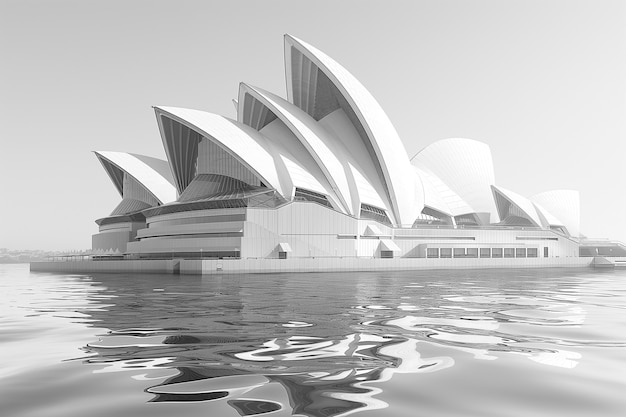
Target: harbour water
[[549, 342]]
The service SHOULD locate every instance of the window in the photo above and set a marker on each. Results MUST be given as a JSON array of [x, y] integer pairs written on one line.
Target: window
[[545, 252], [531, 252], [446, 252], [509, 252], [386, 254], [374, 213], [496, 253], [307, 195], [459, 252], [472, 253], [282, 255], [346, 236], [520, 252], [485, 252], [432, 252], [195, 220]]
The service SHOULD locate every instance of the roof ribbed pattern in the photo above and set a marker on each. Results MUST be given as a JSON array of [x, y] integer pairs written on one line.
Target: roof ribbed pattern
[[209, 185], [330, 143], [318, 143], [513, 206], [564, 205], [242, 142], [438, 196], [315, 81], [466, 168], [547, 218], [128, 206], [146, 171]]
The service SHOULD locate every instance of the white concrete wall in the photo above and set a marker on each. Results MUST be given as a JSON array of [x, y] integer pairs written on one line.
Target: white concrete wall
[[111, 240], [310, 229], [237, 266], [231, 266], [164, 238], [313, 230], [191, 229], [142, 266], [193, 214], [115, 236], [191, 244], [486, 238]]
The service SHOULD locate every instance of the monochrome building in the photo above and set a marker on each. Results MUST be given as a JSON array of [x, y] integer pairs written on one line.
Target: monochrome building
[[321, 173]]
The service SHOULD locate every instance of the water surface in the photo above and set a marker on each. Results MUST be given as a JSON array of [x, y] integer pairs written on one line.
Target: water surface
[[445, 343]]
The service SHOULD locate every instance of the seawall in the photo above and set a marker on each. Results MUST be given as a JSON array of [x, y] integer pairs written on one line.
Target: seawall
[[240, 266]]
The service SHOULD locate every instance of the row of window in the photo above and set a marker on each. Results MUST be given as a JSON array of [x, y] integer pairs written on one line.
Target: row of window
[[484, 252], [196, 220], [302, 194], [374, 213]]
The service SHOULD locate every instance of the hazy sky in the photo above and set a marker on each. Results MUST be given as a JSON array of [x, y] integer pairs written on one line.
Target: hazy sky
[[543, 83]]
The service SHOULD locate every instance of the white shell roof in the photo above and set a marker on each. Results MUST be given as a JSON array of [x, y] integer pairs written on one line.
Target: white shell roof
[[389, 149], [303, 171], [465, 166], [550, 219], [367, 193], [301, 177], [242, 142], [438, 196], [312, 136], [366, 186], [141, 169], [565, 205], [524, 204]]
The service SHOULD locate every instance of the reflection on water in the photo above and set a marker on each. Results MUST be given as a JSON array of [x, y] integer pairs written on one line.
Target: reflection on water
[[336, 344]]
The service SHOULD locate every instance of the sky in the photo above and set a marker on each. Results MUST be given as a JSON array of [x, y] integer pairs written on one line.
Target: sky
[[542, 82]]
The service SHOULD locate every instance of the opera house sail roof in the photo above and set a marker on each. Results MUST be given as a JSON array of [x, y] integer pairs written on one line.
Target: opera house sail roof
[[330, 143]]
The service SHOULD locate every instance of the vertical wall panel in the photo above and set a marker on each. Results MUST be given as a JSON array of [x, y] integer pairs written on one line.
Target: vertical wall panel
[[212, 159], [133, 189]]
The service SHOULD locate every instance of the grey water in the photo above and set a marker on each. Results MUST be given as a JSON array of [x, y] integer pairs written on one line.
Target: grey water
[[520, 342]]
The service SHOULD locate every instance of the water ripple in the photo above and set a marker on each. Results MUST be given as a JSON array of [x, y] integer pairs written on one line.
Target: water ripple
[[321, 344]]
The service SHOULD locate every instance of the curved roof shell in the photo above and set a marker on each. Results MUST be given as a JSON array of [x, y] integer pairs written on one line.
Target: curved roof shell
[[296, 166], [304, 82], [312, 136], [547, 218], [439, 197], [242, 142], [151, 173], [512, 204], [301, 177], [366, 185], [564, 205], [465, 166], [366, 192]]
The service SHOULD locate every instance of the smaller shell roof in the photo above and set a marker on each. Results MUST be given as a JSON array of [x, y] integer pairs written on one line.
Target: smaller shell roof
[[241, 141], [465, 166], [312, 136], [525, 207], [564, 205], [438, 196], [549, 218], [151, 173]]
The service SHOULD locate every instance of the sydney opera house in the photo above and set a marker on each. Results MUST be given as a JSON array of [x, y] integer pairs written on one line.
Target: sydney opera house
[[321, 174]]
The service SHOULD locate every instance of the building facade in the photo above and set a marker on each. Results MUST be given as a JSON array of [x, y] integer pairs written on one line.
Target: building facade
[[320, 174]]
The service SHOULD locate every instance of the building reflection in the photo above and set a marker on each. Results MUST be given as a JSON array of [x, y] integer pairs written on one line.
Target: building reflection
[[214, 336], [267, 343]]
